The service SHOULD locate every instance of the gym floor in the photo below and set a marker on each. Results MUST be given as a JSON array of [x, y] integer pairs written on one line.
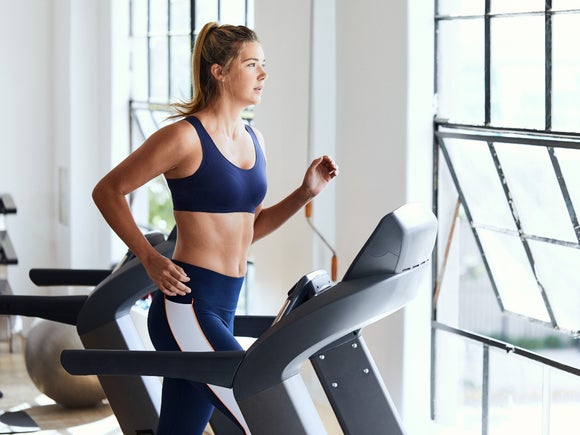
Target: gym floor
[[20, 394]]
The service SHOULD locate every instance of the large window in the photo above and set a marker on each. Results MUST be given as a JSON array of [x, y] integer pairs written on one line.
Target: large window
[[506, 301], [162, 34]]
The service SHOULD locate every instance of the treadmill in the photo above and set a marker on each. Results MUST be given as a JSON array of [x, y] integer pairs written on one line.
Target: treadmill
[[320, 321], [135, 401]]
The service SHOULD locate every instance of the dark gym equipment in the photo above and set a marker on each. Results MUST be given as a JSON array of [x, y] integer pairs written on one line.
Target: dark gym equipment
[[319, 321], [135, 401], [18, 421]]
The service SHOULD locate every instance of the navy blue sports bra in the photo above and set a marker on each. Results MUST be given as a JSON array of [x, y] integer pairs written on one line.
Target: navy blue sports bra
[[219, 186]]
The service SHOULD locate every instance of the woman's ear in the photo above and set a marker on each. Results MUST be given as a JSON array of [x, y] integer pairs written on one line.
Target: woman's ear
[[217, 71]]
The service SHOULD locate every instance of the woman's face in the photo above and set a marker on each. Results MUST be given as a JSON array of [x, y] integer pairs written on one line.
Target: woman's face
[[246, 76]]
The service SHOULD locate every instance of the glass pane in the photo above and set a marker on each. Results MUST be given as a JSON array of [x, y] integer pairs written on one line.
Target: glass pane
[[565, 4], [565, 400], [535, 191], [460, 71], [180, 67], [557, 269], [569, 160], [503, 6], [233, 12], [160, 118], [458, 388], [140, 70], [566, 72], [180, 15], [139, 20], [158, 17], [461, 7], [480, 183], [159, 67], [205, 11], [145, 124], [515, 394], [517, 72], [250, 14], [513, 275]]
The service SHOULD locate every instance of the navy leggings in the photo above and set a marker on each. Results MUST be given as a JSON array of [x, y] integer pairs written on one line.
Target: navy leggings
[[200, 321]]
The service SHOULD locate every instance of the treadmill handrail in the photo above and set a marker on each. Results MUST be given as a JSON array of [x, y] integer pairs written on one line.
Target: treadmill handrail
[[67, 277], [215, 368], [118, 292], [62, 309], [7, 205]]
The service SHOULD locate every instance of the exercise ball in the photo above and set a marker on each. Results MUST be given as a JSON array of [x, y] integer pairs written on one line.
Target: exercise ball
[[44, 344]]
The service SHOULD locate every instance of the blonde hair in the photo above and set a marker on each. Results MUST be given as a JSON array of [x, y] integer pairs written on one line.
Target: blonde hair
[[215, 44]]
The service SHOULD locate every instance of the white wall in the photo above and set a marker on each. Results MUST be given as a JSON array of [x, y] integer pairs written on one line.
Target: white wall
[[381, 110], [282, 117], [27, 125], [56, 127]]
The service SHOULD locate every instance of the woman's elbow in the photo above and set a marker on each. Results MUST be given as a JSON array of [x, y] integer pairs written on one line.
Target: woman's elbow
[[100, 194]]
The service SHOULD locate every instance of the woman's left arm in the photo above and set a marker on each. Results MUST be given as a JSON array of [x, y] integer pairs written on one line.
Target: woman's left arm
[[318, 175]]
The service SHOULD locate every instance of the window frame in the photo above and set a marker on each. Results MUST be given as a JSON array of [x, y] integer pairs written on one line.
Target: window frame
[[488, 133]]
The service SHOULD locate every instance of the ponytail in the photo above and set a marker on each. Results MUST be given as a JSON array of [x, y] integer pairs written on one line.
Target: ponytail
[[214, 44]]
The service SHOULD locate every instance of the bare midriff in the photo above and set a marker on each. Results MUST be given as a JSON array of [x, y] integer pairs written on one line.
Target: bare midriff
[[215, 241]]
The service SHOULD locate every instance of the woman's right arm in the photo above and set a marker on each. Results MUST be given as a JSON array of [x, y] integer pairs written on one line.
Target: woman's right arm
[[159, 154]]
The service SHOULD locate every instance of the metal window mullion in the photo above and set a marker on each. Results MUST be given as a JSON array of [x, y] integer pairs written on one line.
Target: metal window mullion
[[555, 135], [509, 348], [192, 14], [435, 202], [435, 57], [149, 69], [528, 236], [548, 64], [433, 383], [169, 38], [471, 223], [434, 262], [565, 192], [487, 62], [485, 391], [483, 136], [518, 223]]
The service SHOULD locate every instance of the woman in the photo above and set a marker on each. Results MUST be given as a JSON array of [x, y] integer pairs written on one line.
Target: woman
[[215, 168]]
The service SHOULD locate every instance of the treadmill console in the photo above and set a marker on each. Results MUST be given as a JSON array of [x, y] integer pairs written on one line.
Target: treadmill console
[[306, 288]]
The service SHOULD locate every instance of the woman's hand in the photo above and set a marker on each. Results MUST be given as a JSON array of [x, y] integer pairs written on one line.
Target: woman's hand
[[320, 172], [167, 275]]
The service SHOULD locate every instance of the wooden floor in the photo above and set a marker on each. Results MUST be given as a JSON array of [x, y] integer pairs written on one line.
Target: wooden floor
[[20, 394]]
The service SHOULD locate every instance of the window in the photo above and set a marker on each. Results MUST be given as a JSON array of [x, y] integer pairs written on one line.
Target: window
[[162, 34], [506, 302]]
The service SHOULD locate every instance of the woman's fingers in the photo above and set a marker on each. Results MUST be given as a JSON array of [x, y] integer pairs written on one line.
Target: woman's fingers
[[172, 281]]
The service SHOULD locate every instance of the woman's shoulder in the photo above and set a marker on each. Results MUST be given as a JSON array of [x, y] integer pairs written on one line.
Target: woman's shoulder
[[258, 134], [179, 132]]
